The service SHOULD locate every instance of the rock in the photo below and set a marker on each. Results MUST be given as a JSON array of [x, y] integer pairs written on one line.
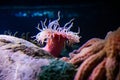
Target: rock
[[20, 59]]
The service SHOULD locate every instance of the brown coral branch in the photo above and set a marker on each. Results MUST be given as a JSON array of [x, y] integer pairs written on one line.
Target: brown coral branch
[[87, 66], [112, 48], [99, 72], [112, 45], [87, 52], [111, 68], [118, 75], [87, 44]]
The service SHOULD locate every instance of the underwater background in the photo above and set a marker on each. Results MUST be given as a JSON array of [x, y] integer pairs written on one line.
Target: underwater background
[[95, 18]]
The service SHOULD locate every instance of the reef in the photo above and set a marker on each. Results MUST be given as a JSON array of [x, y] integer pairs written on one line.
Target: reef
[[98, 59]]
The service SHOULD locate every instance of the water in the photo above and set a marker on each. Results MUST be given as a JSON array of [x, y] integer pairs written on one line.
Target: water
[[94, 20]]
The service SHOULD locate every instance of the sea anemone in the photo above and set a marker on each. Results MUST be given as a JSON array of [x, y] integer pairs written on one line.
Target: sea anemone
[[56, 36]]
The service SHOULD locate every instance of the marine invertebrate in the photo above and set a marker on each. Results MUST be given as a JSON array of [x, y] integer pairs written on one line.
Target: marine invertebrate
[[55, 36], [98, 57], [88, 49]]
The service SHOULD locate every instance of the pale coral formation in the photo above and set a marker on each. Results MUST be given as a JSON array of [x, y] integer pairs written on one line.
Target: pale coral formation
[[20, 59]]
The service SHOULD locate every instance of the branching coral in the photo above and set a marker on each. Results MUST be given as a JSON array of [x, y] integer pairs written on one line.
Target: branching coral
[[55, 36], [98, 59]]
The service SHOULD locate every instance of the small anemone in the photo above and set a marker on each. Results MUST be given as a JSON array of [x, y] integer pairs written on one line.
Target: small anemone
[[56, 36], [53, 28]]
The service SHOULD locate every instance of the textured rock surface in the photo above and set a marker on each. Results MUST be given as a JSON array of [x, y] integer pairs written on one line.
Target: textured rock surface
[[20, 59]]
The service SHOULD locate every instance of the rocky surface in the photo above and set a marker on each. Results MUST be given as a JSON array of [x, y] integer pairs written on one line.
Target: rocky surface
[[20, 59]]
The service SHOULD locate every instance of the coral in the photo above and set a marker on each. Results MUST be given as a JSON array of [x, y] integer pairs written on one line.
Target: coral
[[88, 49], [20, 59], [98, 59]]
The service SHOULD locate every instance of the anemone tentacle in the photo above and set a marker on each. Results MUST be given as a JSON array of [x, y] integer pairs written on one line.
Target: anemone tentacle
[[54, 27]]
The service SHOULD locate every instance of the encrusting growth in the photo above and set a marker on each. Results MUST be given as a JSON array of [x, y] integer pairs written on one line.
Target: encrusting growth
[[55, 36]]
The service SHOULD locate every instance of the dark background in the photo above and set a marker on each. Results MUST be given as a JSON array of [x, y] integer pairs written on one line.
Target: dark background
[[95, 18]]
